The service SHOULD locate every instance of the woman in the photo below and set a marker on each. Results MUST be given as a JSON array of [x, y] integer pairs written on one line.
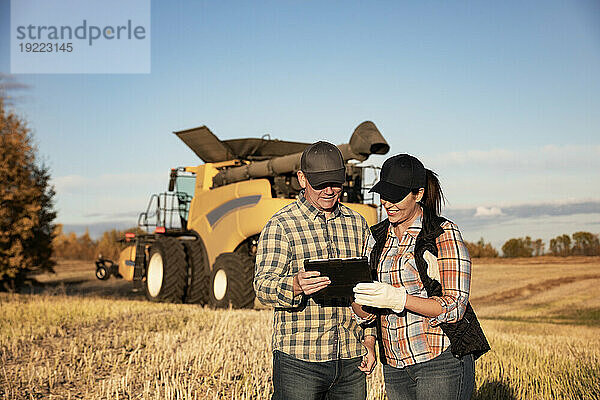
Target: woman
[[418, 362]]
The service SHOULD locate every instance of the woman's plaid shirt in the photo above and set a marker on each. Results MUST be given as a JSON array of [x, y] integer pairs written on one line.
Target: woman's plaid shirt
[[302, 328], [409, 338]]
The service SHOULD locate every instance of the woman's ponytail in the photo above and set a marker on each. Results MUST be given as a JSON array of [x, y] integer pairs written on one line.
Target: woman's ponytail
[[433, 198]]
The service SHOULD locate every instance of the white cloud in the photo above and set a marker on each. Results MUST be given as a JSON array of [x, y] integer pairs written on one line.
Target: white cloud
[[544, 227], [488, 212], [547, 157], [544, 220]]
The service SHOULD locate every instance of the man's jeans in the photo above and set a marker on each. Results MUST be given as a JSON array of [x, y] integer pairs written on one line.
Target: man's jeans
[[444, 377], [294, 379]]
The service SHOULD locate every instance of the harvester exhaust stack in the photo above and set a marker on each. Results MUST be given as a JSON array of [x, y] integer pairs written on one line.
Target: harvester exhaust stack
[[366, 140]]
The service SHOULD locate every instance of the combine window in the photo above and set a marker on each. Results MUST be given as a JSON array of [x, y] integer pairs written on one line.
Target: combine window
[[170, 209], [185, 184]]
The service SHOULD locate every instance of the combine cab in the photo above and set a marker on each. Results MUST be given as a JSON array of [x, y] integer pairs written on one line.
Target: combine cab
[[202, 233]]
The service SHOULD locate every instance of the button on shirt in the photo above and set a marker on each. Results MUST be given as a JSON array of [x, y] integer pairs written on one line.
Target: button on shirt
[[410, 338], [302, 328]]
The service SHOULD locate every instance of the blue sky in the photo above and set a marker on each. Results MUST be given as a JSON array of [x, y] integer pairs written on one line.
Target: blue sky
[[500, 98]]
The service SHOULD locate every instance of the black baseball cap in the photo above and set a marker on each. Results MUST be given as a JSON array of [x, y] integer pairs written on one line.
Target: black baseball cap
[[399, 176], [322, 164]]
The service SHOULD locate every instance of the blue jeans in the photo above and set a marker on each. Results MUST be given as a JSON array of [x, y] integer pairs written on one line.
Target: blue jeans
[[443, 378], [294, 379]]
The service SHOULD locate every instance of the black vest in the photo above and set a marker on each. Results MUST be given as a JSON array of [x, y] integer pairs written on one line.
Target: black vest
[[466, 335]]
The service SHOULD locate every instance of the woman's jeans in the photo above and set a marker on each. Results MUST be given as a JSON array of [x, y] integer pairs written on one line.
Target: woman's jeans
[[294, 379], [443, 378]]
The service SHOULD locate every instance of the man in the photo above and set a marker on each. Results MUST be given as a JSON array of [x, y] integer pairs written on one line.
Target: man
[[318, 351]]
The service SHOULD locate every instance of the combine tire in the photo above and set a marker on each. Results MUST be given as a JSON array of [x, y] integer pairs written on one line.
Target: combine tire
[[166, 275], [199, 274], [231, 281]]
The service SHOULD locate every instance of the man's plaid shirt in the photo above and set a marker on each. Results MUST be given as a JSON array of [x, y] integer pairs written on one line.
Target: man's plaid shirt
[[410, 338], [302, 328]]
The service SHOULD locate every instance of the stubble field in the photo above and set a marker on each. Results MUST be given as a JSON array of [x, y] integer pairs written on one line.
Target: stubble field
[[78, 338]]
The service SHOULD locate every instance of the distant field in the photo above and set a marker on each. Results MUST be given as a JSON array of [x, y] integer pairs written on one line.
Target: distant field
[[79, 338]]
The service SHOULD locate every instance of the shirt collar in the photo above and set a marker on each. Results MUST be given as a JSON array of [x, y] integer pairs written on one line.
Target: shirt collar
[[412, 230], [312, 212]]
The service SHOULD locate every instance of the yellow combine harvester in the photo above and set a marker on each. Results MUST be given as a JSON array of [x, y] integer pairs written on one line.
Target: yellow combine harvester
[[202, 233]]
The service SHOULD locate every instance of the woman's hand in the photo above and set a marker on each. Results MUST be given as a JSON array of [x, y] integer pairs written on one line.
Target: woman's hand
[[369, 360], [380, 295]]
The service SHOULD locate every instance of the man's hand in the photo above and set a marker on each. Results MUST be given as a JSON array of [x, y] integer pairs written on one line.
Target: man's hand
[[309, 282], [369, 360], [380, 295]]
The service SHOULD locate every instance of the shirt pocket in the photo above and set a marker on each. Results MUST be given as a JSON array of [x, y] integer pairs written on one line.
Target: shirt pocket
[[410, 276]]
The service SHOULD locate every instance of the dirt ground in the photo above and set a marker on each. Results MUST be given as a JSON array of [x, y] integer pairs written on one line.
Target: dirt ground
[[74, 277]]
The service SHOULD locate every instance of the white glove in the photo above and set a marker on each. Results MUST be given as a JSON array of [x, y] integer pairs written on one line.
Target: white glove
[[380, 295], [433, 270]]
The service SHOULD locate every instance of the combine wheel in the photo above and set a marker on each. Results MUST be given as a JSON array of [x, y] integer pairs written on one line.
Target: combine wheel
[[104, 268], [166, 274], [231, 281], [197, 292], [102, 273]]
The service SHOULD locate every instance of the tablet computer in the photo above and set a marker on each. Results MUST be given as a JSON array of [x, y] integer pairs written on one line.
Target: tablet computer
[[344, 274]]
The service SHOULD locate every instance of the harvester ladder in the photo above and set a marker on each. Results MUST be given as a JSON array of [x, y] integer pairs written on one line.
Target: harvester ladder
[[140, 260]]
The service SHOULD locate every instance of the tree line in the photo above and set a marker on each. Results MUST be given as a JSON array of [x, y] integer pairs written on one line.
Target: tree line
[[69, 246], [578, 244], [72, 247]]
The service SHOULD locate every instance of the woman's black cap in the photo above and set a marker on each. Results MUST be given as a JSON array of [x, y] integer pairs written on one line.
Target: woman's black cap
[[399, 176], [323, 164]]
